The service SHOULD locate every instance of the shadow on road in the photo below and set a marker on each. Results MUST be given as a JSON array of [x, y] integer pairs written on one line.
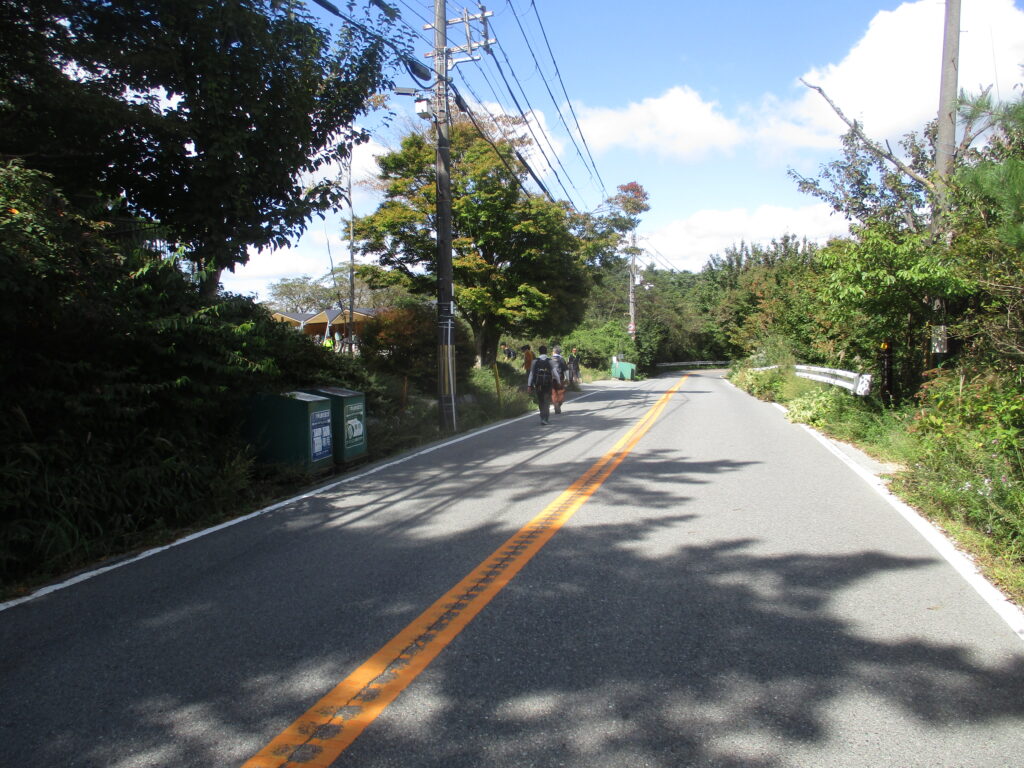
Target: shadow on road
[[602, 652]]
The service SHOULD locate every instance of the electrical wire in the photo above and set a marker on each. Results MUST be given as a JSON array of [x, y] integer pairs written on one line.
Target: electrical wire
[[527, 121], [416, 68], [547, 87], [497, 151], [568, 101]]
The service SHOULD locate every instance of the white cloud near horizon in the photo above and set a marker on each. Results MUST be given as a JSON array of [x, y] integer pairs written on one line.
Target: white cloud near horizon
[[890, 79], [687, 243]]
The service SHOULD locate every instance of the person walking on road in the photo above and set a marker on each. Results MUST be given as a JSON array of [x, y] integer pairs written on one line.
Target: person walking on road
[[540, 381], [574, 366], [527, 361], [558, 384]]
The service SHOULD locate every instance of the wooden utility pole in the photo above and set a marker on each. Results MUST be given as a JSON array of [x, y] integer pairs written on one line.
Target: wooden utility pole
[[632, 289], [945, 155], [445, 276]]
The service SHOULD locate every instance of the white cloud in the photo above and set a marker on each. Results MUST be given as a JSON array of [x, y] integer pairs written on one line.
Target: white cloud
[[687, 243], [890, 79], [679, 123]]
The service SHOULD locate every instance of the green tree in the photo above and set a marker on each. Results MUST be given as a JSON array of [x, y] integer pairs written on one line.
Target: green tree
[[125, 391], [207, 117], [989, 239], [301, 294], [517, 260]]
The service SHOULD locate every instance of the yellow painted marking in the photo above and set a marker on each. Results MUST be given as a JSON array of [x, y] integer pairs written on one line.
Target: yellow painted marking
[[317, 738]]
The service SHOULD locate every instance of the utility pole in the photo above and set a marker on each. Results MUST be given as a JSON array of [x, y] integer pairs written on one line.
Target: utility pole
[[632, 289], [945, 148], [350, 325], [445, 287], [445, 278], [945, 140]]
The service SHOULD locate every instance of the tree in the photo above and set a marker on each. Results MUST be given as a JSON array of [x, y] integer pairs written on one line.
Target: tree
[[897, 277], [989, 238], [209, 118], [304, 294], [301, 294], [517, 261], [124, 390]]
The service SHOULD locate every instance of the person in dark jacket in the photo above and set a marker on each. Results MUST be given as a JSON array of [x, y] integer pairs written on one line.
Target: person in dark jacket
[[574, 366], [542, 376]]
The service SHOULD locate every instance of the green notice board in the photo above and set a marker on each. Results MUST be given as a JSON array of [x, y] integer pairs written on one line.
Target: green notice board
[[348, 418]]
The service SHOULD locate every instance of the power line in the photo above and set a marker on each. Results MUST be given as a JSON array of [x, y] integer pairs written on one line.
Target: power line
[[416, 68], [531, 122], [568, 101], [547, 87], [497, 151], [522, 112]]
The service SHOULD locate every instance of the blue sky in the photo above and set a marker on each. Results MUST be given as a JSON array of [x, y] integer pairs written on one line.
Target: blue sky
[[698, 102]]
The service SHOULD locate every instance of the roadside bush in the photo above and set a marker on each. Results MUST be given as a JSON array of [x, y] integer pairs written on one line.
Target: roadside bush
[[125, 390], [969, 463], [959, 478], [764, 385], [598, 345], [402, 342], [988, 403], [489, 398]]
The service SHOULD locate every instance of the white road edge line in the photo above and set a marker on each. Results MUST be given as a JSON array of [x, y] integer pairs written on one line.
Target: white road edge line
[[961, 563], [43, 591], [1009, 612]]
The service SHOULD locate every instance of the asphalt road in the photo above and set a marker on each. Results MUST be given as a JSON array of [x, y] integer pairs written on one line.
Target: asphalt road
[[721, 590]]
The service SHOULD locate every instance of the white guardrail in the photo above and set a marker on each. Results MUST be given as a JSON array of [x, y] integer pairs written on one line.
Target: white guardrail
[[858, 383], [695, 363]]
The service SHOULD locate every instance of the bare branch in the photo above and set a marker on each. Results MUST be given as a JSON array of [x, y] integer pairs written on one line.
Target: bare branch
[[872, 145]]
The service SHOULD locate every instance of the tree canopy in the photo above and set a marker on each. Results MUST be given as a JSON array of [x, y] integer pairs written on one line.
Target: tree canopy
[[210, 119], [518, 259]]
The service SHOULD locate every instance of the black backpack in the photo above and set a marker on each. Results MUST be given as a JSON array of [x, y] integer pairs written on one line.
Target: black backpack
[[542, 374]]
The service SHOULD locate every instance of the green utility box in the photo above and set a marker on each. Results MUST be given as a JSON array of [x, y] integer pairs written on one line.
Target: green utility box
[[348, 419], [293, 428], [622, 370]]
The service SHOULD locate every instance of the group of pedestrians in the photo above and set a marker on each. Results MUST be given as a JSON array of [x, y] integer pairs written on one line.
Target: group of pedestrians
[[548, 377]]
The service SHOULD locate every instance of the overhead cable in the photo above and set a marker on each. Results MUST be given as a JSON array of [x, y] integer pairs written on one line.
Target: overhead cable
[[547, 87], [567, 99]]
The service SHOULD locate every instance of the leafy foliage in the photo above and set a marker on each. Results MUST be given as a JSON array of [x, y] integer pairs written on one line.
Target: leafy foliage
[[402, 343], [517, 263], [125, 389], [209, 118]]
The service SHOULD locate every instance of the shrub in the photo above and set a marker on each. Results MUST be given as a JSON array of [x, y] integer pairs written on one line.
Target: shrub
[[762, 384], [138, 430]]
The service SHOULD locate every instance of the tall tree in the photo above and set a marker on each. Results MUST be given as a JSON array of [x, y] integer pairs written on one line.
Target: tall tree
[[208, 117], [518, 263]]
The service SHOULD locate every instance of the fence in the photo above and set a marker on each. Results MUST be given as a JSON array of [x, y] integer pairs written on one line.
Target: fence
[[858, 383], [696, 364]]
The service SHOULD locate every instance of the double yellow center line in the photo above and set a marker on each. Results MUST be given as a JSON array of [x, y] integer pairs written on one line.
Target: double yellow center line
[[327, 729]]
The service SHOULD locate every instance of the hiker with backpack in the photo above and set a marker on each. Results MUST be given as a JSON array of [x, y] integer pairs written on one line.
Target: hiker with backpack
[[541, 380], [558, 385]]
